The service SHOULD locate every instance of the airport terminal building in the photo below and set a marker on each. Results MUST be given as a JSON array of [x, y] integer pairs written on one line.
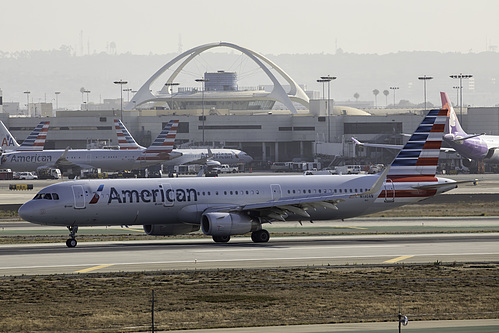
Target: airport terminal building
[[277, 123]]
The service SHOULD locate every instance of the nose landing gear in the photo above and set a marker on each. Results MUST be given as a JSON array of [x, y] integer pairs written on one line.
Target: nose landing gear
[[71, 242]]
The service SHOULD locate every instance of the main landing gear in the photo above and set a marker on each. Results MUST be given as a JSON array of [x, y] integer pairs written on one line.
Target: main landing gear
[[71, 242], [260, 236]]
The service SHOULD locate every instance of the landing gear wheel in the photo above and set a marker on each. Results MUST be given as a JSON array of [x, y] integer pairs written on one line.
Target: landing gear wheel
[[71, 242], [260, 236], [221, 239]]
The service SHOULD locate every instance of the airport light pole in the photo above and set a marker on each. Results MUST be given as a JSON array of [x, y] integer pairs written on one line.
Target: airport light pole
[[425, 78], [457, 94], [27, 101], [127, 93], [203, 87], [121, 83], [87, 92], [461, 76], [328, 79], [394, 90], [170, 86], [57, 99]]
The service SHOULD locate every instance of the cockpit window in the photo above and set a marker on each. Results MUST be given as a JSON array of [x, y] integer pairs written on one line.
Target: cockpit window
[[46, 196]]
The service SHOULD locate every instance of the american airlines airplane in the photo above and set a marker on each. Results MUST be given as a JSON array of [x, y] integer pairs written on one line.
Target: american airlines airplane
[[34, 142], [228, 206], [106, 159], [209, 157]]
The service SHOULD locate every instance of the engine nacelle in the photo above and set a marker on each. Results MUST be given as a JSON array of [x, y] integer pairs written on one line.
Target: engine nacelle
[[492, 156], [226, 224], [169, 229]]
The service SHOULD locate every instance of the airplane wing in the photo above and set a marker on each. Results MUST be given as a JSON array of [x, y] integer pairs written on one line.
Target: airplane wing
[[282, 208], [376, 145], [379, 145]]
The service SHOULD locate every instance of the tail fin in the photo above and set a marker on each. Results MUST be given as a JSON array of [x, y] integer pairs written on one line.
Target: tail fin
[[419, 157], [36, 140], [125, 139], [8, 141], [454, 125], [163, 145]]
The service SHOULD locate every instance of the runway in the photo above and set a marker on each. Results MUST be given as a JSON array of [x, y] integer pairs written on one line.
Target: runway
[[33, 259]]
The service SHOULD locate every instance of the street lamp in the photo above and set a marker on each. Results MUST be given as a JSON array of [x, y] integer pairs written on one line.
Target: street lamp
[[328, 79], [170, 86], [394, 90], [457, 94], [27, 101], [87, 92], [425, 78], [57, 99], [461, 76], [121, 83], [203, 81], [128, 93]]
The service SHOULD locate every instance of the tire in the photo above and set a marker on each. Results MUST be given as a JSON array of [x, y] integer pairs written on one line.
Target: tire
[[71, 242], [221, 239], [260, 236]]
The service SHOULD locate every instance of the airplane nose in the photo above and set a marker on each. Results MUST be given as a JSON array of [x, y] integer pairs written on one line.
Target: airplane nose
[[26, 212]]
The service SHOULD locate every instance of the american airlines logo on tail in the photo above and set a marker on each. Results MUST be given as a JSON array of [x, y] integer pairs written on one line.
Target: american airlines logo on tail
[[36, 140], [125, 139], [419, 157], [163, 145]]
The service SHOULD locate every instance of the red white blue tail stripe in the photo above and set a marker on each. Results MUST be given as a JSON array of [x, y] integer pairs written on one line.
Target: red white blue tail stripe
[[36, 140], [163, 145], [125, 139], [419, 157]]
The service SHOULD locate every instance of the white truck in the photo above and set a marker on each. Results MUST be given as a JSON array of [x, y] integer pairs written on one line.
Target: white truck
[[225, 168]]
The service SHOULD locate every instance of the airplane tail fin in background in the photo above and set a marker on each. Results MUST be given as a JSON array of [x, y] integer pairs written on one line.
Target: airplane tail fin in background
[[8, 141], [125, 139], [419, 157], [162, 146], [454, 125], [36, 140]]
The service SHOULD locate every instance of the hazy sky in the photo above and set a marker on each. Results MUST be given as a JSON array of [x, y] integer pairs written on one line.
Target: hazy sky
[[266, 26]]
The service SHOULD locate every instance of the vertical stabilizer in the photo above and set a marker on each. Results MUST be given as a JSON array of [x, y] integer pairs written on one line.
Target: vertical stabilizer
[[454, 125], [125, 139], [161, 148], [419, 157], [36, 140], [8, 141]]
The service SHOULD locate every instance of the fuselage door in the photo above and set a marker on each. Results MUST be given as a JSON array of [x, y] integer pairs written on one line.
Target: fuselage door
[[389, 191], [169, 195], [79, 196], [275, 192]]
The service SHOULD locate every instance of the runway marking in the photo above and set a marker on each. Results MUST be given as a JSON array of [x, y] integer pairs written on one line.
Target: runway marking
[[86, 270], [391, 261]]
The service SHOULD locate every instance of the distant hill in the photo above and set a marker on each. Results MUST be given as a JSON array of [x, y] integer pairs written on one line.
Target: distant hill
[[44, 72]]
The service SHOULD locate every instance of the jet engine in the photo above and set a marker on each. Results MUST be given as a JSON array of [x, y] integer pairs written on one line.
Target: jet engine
[[493, 155], [169, 229], [227, 224]]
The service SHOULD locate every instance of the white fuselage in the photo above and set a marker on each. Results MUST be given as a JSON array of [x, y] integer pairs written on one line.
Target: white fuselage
[[224, 156], [106, 159], [184, 200]]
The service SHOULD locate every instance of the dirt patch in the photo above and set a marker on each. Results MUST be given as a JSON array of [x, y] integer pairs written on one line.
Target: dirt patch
[[229, 298]]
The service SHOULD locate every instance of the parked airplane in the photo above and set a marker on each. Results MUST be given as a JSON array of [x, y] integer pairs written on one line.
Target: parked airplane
[[209, 157], [478, 147], [228, 206], [34, 142], [73, 161]]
